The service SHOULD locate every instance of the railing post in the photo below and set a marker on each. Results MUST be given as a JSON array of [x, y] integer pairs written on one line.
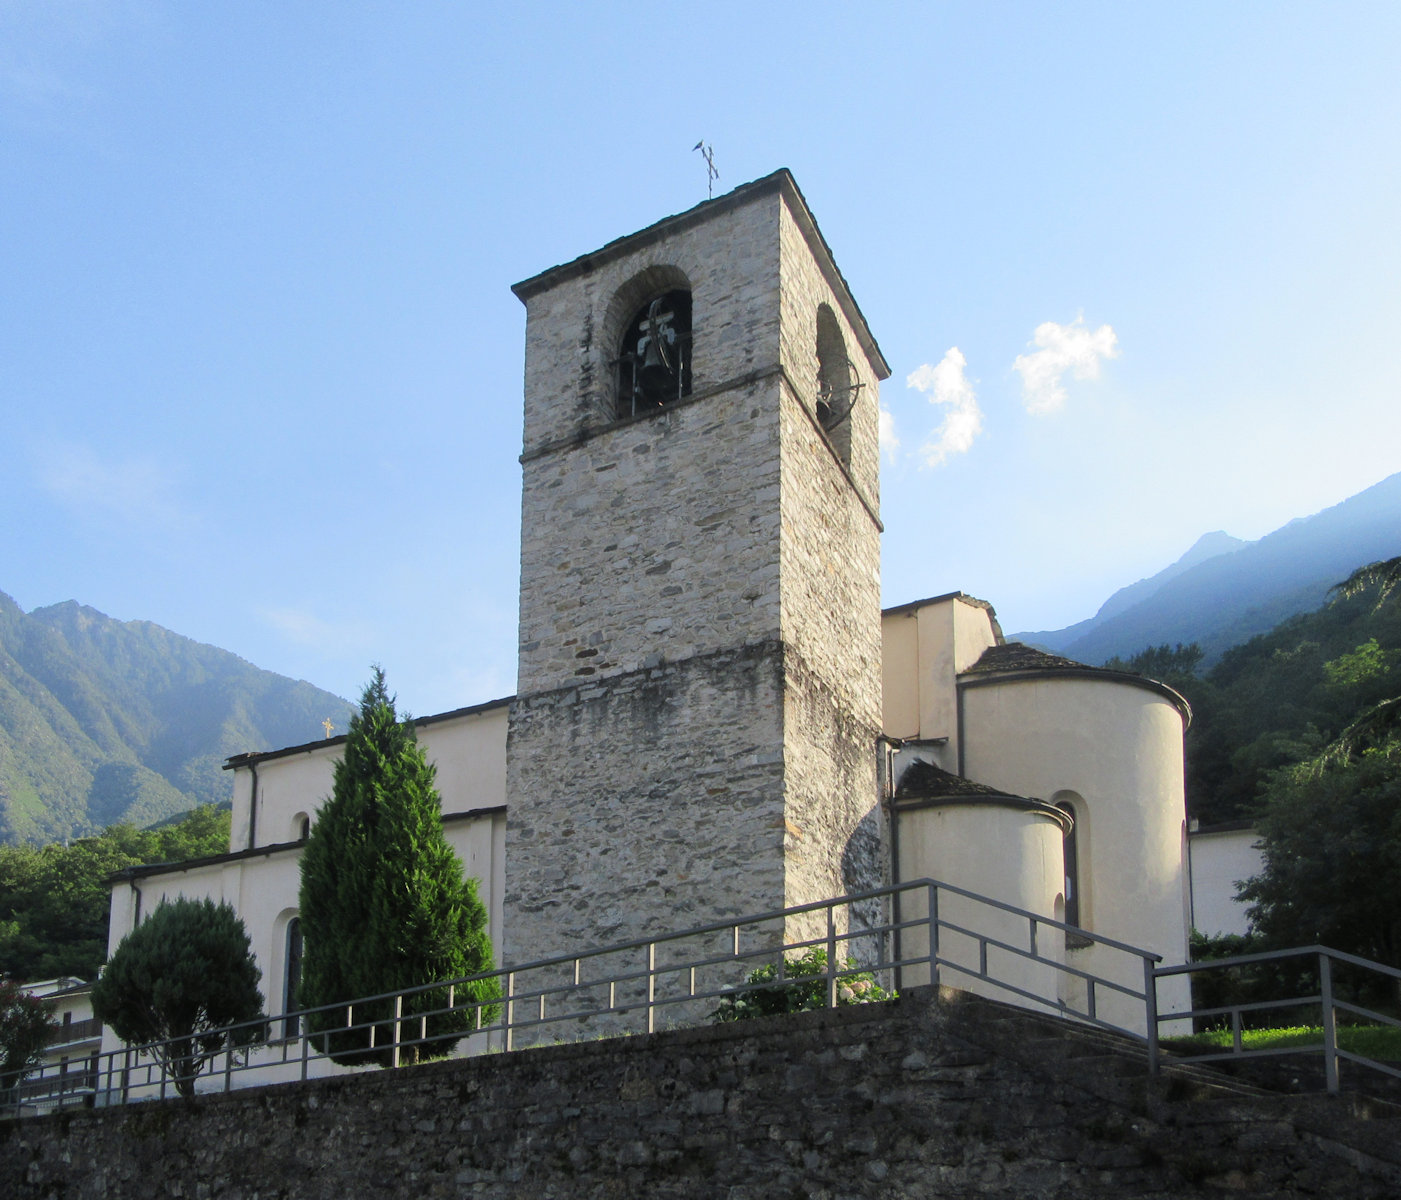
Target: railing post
[[932, 916], [228, 1060], [510, 1009], [1330, 1024], [1150, 1012], [306, 1044], [895, 912], [398, 1031], [831, 958], [651, 986]]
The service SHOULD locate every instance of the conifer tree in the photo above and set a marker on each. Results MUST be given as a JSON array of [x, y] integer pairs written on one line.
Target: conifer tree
[[384, 904], [182, 975]]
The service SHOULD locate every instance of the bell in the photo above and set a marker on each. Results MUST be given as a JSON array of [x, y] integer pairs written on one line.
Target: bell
[[654, 358]]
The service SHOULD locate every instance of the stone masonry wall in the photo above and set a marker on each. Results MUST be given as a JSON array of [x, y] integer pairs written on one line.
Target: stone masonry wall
[[911, 1098], [652, 542], [652, 803], [804, 288], [573, 329], [830, 581], [659, 552], [835, 833]]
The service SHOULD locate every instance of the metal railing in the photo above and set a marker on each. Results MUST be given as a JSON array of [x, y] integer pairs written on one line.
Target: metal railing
[[74, 1031], [1316, 969], [920, 932]]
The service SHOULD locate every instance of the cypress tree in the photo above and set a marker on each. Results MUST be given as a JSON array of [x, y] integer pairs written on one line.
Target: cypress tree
[[384, 904]]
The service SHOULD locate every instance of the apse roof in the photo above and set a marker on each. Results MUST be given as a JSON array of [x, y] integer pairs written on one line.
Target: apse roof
[[1017, 660], [1018, 656], [922, 778]]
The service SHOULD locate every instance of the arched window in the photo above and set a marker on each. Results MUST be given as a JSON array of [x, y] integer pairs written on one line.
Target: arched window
[[654, 356], [292, 975], [1072, 868], [837, 385]]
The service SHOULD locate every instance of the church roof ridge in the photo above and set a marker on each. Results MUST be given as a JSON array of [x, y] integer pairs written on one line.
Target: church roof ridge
[[964, 597], [147, 870], [253, 757]]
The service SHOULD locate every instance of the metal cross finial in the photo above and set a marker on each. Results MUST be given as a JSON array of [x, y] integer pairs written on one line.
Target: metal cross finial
[[708, 153], [327, 726]]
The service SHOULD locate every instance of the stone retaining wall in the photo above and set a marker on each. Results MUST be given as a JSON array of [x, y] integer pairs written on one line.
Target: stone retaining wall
[[904, 1099]]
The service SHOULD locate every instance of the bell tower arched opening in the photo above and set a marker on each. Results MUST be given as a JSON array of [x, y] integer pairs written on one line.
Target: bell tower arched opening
[[837, 386], [654, 355]]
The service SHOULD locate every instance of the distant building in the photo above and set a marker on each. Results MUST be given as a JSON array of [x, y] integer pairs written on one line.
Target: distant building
[[68, 1070], [713, 715]]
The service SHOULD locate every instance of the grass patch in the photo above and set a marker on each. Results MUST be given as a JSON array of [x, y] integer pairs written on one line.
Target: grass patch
[[1381, 1042]]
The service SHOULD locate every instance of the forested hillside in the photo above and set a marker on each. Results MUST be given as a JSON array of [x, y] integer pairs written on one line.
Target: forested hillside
[[1280, 697], [104, 721], [54, 900]]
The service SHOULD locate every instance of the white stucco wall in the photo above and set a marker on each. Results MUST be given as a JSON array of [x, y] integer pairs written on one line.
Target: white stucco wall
[[469, 750], [468, 746], [1010, 854], [1113, 751], [1220, 860], [924, 646]]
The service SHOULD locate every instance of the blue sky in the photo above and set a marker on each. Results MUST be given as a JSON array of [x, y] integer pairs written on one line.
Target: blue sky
[[260, 366]]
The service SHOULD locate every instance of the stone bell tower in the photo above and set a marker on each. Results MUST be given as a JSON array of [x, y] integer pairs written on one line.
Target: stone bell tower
[[699, 682]]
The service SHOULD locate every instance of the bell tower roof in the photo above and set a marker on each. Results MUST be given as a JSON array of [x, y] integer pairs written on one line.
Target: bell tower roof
[[781, 182]]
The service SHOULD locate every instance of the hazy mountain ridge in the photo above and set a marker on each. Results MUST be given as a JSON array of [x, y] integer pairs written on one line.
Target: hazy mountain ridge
[[1223, 591], [104, 720]]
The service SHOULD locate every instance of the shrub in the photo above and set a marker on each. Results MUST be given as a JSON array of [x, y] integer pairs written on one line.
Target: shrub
[[24, 1032], [803, 987], [182, 974]]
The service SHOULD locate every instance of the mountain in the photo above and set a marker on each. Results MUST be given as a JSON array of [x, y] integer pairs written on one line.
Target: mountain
[[104, 720], [1224, 591]]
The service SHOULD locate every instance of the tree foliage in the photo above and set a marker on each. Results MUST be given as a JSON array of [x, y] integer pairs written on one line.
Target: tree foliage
[[25, 1027], [1280, 698], [1383, 577], [384, 904], [184, 972], [765, 995], [1165, 663], [54, 900], [1331, 837]]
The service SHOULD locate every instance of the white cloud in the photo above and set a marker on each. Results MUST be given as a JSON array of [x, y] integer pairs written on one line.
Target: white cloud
[[1062, 348], [889, 441], [949, 386], [139, 491]]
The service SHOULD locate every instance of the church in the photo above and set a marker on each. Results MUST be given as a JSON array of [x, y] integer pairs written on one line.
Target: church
[[713, 715]]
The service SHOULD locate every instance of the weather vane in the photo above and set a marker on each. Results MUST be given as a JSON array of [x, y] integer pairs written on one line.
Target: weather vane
[[708, 153]]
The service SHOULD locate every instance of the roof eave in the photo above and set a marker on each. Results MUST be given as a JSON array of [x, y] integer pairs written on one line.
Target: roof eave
[[781, 182]]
